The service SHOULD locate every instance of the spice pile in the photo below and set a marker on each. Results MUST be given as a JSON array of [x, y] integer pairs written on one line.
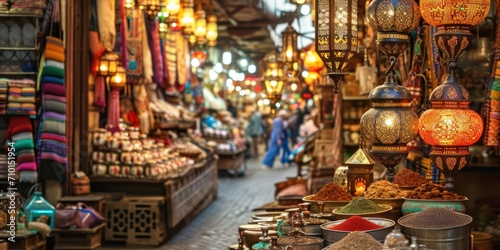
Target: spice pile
[[360, 205], [332, 192], [356, 241], [436, 218], [432, 191], [356, 223], [407, 177], [384, 190], [291, 240]]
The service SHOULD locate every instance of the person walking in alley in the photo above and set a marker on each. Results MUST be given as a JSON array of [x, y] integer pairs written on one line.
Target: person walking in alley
[[276, 139], [255, 130]]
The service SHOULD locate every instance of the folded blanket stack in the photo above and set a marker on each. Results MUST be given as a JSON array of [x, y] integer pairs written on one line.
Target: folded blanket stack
[[4, 91], [21, 96], [20, 134], [51, 140]]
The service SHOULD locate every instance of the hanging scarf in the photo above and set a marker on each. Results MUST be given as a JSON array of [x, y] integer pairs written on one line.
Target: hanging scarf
[[154, 46], [106, 21], [123, 34], [491, 107], [147, 59], [171, 57]]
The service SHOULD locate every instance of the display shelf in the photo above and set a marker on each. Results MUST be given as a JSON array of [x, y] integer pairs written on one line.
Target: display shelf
[[18, 73], [355, 98], [18, 48], [20, 15]]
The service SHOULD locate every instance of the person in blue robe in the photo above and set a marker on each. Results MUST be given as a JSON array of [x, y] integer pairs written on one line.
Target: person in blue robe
[[276, 139]]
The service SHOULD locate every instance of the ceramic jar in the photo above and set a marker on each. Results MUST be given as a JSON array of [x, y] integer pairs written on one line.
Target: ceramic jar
[[99, 169], [99, 137], [340, 176], [98, 156], [114, 169], [112, 157], [125, 169], [134, 133], [137, 170], [419, 205], [113, 143], [126, 155]]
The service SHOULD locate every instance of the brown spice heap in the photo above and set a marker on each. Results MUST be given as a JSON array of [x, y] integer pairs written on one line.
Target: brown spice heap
[[383, 189], [290, 240], [356, 241], [435, 217], [407, 177], [432, 191], [332, 192]]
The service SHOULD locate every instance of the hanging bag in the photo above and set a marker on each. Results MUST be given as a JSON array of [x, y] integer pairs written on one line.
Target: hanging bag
[[95, 217]]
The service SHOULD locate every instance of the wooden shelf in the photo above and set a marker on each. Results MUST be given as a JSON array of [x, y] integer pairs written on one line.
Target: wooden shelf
[[18, 73], [355, 98]]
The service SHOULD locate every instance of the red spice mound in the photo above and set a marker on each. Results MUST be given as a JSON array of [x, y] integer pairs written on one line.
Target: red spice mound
[[356, 223], [407, 177], [332, 192]]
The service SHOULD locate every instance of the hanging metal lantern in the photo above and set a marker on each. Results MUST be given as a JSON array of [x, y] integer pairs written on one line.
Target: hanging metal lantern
[[336, 35], [290, 53], [152, 7], [200, 30], [187, 20], [212, 30], [108, 64], [390, 124]]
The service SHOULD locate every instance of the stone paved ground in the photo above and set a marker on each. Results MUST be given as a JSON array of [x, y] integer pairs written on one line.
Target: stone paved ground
[[217, 226]]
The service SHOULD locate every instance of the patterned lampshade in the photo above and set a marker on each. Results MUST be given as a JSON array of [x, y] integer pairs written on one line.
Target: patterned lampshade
[[454, 12], [290, 53]]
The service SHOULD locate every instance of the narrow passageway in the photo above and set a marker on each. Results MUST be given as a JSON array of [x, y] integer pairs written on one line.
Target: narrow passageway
[[217, 226]]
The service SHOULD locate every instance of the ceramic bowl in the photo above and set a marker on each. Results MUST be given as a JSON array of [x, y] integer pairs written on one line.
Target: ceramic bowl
[[250, 227], [417, 205], [316, 243], [332, 236], [329, 205], [252, 237], [269, 216], [381, 214]]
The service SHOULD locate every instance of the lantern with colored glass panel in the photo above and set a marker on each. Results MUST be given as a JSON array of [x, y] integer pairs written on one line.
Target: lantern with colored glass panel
[[187, 20], [108, 64], [212, 32], [359, 172]]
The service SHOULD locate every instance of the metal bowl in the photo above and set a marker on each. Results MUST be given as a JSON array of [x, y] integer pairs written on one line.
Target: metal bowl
[[381, 214], [252, 237], [395, 203], [332, 236], [329, 205], [317, 245], [440, 238], [269, 216], [418, 205]]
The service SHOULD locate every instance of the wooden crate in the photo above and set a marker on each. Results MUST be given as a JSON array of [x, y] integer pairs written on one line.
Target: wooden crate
[[116, 214], [146, 221], [68, 239], [26, 241], [186, 194]]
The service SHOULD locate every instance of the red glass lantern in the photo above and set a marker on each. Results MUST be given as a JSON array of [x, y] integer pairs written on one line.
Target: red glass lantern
[[312, 62]]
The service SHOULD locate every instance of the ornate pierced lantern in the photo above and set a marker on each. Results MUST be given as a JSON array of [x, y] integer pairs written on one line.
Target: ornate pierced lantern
[[273, 77], [118, 80], [336, 35], [108, 64], [129, 7], [390, 124], [173, 7], [187, 20], [212, 30], [450, 127], [290, 53], [359, 172], [200, 30], [152, 7]]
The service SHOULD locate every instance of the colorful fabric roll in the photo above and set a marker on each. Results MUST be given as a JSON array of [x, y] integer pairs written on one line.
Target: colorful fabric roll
[[54, 126], [54, 137], [55, 106], [52, 71], [55, 64], [54, 55], [21, 83], [52, 79], [54, 89], [54, 98], [22, 136]]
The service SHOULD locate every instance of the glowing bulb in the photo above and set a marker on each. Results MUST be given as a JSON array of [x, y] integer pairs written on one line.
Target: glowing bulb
[[247, 92], [267, 102], [230, 88], [252, 69], [260, 103], [305, 74], [389, 122], [293, 86], [213, 75], [195, 62], [226, 58], [244, 62], [229, 82], [289, 53], [274, 83], [305, 10], [238, 88], [218, 68]]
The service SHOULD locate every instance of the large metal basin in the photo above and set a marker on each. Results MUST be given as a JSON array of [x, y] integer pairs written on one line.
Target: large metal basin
[[299, 246], [332, 236]]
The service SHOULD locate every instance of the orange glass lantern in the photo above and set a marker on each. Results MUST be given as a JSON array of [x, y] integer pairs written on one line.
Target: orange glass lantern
[[312, 62], [152, 7], [200, 30], [450, 127], [312, 77]]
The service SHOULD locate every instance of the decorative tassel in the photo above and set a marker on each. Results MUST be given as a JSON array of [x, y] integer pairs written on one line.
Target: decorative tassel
[[114, 111], [100, 93]]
